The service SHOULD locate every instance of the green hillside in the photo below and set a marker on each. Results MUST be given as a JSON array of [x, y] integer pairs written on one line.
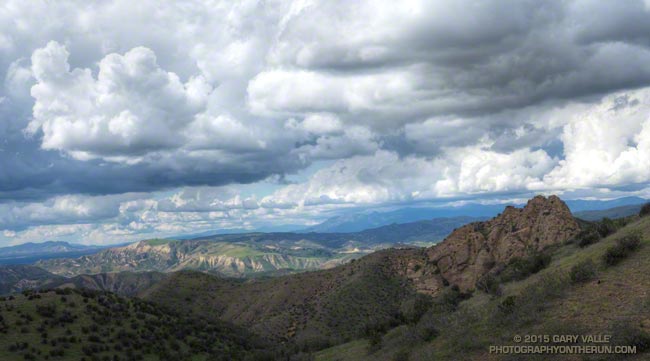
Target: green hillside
[[88, 325], [311, 310], [594, 289]]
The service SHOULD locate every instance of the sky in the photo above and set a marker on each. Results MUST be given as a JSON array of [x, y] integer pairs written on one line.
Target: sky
[[124, 120]]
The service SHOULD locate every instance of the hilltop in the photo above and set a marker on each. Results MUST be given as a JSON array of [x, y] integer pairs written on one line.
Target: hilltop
[[480, 248]]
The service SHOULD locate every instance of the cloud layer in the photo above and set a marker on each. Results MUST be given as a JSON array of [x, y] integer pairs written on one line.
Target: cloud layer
[[250, 114]]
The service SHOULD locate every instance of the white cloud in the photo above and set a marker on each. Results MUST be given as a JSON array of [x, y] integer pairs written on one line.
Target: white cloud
[[402, 101], [290, 92], [131, 108], [606, 144], [62, 209], [321, 123], [385, 177]]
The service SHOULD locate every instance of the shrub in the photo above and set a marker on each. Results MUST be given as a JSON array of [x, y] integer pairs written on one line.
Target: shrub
[[450, 298], [48, 310], [623, 248], [606, 227], [520, 268], [413, 309], [508, 304], [645, 210], [489, 284], [583, 271], [587, 236]]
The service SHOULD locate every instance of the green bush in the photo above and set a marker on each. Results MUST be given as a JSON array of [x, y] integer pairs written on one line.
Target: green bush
[[450, 298], [489, 284], [587, 236], [593, 232], [623, 248], [606, 227], [645, 210], [583, 271], [520, 268], [413, 308], [508, 305]]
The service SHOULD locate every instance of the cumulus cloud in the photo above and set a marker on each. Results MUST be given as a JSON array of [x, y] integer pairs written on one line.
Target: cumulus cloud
[[131, 108], [607, 144], [385, 177], [62, 210], [323, 105]]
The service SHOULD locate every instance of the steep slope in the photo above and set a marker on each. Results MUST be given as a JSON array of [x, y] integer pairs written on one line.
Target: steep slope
[[122, 283], [231, 259], [312, 309]]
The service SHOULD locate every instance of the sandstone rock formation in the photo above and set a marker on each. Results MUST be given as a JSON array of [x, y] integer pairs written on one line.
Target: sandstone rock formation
[[477, 248]]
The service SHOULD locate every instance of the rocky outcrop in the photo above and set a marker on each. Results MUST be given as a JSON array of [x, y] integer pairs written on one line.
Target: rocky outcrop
[[477, 248]]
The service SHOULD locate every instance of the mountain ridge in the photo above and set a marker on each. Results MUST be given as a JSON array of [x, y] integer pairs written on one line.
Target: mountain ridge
[[237, 255], [352, 222]]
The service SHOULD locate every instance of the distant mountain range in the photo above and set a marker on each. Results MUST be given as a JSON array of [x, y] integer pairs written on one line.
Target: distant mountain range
[[612, 213], [31, 252], [580, 205], [238, 255], [355, 222], [359, 221], [335, 241]]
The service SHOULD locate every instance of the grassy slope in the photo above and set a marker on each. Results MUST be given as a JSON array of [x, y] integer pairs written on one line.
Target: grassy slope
[[617, 300], [312, 309], [113, 326]]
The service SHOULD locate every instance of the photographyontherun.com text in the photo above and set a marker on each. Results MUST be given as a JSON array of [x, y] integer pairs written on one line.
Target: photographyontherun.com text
[[561, 344]]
